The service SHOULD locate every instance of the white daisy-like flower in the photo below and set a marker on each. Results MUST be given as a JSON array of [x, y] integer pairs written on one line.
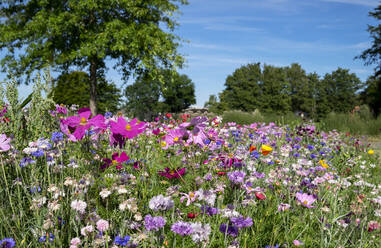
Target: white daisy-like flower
[[105, 193]]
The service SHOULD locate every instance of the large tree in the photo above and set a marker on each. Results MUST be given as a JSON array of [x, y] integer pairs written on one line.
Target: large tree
[[340, 88], [86, 33], [372, 55], [73, 88], [243, 88], [148, 96]]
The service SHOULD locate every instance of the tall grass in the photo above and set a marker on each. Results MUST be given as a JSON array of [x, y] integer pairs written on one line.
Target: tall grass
[[242, 118], [360, 123]]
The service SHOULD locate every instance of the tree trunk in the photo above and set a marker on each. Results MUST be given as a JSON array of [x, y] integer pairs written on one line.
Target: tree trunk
[[93, 86]]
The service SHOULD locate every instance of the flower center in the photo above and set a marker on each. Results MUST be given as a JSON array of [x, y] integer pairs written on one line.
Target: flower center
[[163, 144], [128, 127], [176, 139], [114, 162], [172, 172], [305, 202], [191, 194], [83, 121]]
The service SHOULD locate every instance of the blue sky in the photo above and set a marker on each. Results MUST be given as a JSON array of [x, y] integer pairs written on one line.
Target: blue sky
[[223, 35]]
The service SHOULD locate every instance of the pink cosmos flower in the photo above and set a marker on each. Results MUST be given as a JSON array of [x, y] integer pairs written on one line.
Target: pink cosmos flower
[[116, 160], [4, 143], [75, 126], [305, 199], [102, 225], [191, 197], [127, 129], [297, 242], [170, 173], [172, 137]]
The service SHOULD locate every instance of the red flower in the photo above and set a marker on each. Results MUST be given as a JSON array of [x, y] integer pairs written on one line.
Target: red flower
[[192, 215], [172, 173], [221, 173], [168, 115], [260, 196]]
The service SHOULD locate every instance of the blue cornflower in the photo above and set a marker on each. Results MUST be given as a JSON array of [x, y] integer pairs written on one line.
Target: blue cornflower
[[254, 154], [56, 137], [310, 147], [26, 161], [122, 241], [38, 153], [108, 115], [7, 243]]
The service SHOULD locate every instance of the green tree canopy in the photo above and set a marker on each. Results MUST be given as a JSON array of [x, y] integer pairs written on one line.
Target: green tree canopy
[[84, 33], [372, 55], [179, 91], [340, 88], [283, 89], [243, 88], [73, 88], [149, 96], [372, 94]]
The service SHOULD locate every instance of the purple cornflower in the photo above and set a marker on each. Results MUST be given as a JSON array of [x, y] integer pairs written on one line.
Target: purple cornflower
[[209, 210], [236, 177], [259, 175], [241, 221], [182, 228], [231, 230], [154, 223], [7, 243]]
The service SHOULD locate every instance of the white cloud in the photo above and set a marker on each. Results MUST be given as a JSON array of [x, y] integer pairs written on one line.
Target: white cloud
[[371, 3]]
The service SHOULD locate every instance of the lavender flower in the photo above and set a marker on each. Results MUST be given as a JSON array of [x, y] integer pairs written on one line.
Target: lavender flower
[[236, 177], [200, 233], [182, 228], [283, 207], [161, 203], [154, 223], [229, 229], [242, 222]]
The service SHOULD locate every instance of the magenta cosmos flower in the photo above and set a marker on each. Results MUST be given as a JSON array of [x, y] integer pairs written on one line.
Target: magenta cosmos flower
[[115, 161], [4, 143], [172, 173], [305, 199], [75, 126], [127, 129]]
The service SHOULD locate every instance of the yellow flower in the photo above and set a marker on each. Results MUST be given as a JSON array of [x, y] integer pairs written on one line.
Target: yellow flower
[[370, 152], [324, 164], [266, 150]]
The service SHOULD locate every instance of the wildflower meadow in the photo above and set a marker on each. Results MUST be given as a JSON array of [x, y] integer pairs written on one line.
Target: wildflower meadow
[[71, 179]]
